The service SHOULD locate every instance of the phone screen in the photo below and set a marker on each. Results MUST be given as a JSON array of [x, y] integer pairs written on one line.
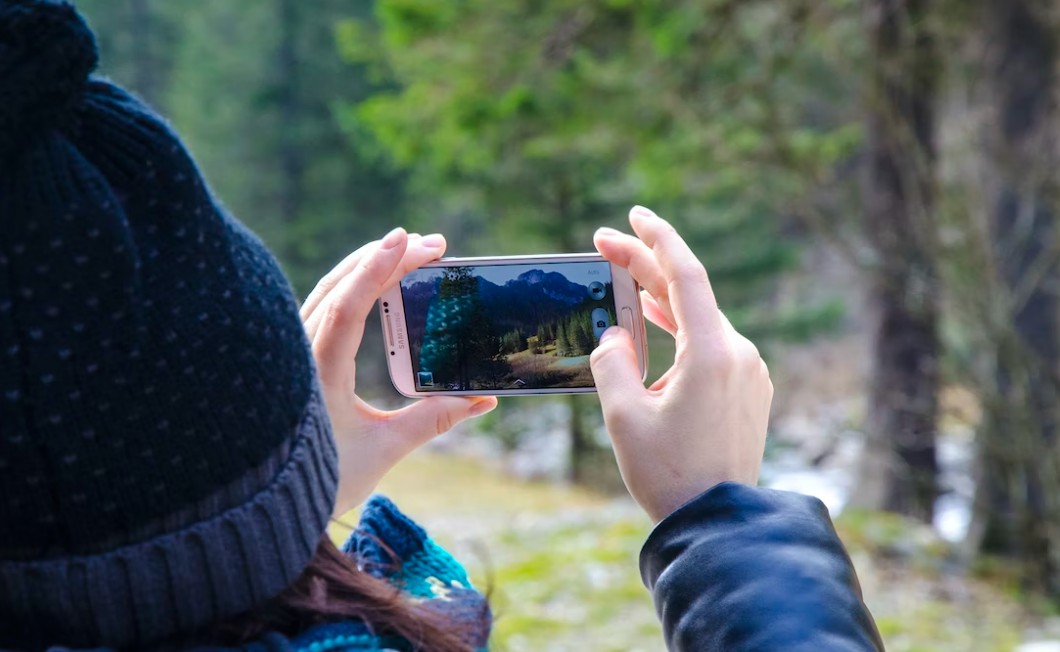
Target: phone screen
[[506, 326]]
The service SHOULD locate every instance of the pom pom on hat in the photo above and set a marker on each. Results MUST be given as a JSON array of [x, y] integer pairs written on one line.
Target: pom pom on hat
[[46, 54]]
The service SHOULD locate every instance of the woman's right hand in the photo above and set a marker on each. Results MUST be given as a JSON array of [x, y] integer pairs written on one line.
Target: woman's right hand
[[704, 421]]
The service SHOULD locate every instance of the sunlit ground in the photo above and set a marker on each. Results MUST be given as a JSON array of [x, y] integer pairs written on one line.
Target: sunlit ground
[[561, 566]]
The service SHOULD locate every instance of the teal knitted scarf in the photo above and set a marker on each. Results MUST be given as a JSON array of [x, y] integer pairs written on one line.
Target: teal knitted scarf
[[388, 544]]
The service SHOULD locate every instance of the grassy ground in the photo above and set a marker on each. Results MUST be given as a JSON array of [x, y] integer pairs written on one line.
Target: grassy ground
[[549, 369], [561, 566]]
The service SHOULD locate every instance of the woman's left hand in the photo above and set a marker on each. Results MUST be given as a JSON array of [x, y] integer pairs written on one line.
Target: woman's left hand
[[371, 441]]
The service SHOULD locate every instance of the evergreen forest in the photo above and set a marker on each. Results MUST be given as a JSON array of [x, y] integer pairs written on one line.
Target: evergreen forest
[[871, 184]]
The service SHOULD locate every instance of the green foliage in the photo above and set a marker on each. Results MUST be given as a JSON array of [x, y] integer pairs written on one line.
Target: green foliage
[[510, 127], [266, 136], [580, 334], [563, 345], [590, 106], [513, 341]]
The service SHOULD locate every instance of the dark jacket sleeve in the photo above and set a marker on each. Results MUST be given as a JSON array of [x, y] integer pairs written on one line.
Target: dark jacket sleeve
[[745, 568]]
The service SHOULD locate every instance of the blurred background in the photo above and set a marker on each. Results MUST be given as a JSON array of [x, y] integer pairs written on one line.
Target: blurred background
[[870, 183]]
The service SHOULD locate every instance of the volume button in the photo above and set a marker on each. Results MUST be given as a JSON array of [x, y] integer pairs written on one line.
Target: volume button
[[627, 321]]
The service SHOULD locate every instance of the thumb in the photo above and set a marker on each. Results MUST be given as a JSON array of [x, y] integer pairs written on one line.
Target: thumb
[[615, 369], [427, 418]]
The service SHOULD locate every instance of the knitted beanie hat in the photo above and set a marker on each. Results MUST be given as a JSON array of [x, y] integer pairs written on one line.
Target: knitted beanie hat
[[165, 457]]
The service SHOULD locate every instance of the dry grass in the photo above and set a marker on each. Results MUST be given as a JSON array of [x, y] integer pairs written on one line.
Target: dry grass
[[561, 565]]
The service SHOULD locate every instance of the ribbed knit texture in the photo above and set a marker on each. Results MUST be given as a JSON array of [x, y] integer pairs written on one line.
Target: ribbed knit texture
[[183, 580], [165, 457]]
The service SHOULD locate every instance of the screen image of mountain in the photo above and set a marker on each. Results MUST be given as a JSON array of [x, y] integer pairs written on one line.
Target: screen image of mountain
[[508, 326]]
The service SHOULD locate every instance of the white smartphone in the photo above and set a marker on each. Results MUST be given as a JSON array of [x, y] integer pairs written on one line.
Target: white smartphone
[[507, 324]]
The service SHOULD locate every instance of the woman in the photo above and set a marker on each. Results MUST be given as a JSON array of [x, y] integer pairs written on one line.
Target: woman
[[175, 433]]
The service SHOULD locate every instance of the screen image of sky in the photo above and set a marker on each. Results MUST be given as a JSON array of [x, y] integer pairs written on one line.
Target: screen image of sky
[[580, 273]]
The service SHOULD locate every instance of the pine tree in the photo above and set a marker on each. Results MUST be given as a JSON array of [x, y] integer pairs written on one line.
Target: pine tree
[[899, 469], [456, 320], [585, 337], [1019, 456], [562, 342], [518, 133]]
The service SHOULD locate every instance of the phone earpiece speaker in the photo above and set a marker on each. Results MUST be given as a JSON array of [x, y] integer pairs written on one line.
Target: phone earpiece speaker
[[389, 332]]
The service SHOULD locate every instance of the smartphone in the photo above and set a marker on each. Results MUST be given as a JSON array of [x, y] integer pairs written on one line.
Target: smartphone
[[506, 325]]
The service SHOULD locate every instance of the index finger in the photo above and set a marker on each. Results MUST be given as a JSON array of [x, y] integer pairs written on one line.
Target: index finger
[[415, 255], [692, 300], [328, 282], [336, 336], [433, 242]]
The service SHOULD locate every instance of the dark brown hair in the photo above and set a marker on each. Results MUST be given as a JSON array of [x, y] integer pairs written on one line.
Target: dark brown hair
[[333, 589]]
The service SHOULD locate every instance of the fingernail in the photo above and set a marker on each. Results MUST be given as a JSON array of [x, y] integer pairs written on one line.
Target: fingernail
[[392, 239], [480, 408], [607, 231], [641, 210], [434, 240]]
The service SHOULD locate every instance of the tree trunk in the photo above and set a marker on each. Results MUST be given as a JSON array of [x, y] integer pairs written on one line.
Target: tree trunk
[[292, 165], [899, 468], [1019, 489], [145, 62], [582, 445]]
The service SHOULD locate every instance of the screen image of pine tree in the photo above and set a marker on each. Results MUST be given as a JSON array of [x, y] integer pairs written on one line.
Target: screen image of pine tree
[[457, 330]]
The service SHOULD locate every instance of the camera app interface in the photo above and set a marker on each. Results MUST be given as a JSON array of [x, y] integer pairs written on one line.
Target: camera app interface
[[507, 326]]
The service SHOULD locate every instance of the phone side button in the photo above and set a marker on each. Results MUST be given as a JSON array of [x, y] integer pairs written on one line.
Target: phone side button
[[627, 321]]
